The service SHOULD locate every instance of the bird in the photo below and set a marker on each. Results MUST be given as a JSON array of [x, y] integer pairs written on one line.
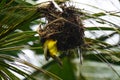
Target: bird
[[50, 50]]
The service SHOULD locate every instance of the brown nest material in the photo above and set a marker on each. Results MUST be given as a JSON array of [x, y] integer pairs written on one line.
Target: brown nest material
[[65, 27]]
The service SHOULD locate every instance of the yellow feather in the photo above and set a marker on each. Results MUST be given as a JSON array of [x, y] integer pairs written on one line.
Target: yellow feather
[[51, 46], [50, 50]]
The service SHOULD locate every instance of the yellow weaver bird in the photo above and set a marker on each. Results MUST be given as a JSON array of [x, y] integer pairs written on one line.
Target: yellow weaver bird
[[50, 50]]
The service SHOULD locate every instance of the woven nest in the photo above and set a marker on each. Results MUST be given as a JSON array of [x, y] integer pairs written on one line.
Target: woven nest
[[65, 27]]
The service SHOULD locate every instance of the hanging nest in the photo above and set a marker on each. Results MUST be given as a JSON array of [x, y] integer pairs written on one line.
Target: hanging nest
[[66, 27]]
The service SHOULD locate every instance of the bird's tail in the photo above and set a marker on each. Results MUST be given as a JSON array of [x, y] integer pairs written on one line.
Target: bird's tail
[[58, 60]]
